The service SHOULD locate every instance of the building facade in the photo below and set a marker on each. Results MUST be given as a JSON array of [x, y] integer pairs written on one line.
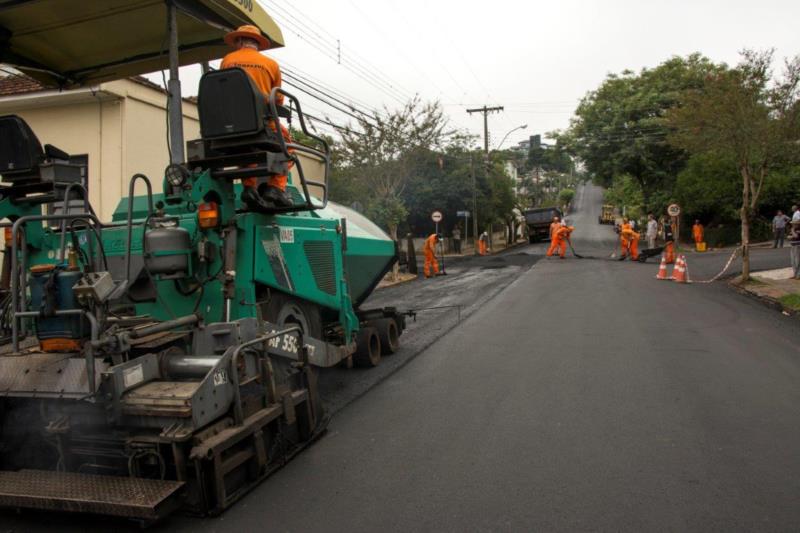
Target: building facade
[[116, 129]]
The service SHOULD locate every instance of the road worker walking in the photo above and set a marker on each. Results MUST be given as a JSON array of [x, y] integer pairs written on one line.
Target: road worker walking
[[431, 264], [560, 239], [669, 242]]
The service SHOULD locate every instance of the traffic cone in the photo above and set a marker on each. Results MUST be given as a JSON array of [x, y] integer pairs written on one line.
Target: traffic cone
[[686, 270], [679, 272], [662, 270]]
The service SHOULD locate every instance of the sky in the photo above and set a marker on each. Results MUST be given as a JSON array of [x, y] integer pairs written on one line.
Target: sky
[[537, 59]]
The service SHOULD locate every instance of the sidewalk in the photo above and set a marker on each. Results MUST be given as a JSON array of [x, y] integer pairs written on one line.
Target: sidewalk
[[775, 287]]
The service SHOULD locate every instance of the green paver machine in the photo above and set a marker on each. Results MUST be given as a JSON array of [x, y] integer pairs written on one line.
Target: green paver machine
[[168, 358]]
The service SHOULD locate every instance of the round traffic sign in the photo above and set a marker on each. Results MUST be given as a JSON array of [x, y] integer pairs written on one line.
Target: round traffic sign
[[674, 210], [436, 216]]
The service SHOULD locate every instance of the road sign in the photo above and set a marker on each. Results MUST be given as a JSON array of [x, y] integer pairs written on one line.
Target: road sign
[[674, 210], [436, 216], [464, 214]]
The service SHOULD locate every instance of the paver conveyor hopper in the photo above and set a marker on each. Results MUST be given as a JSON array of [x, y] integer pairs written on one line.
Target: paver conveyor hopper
[[168, 358]]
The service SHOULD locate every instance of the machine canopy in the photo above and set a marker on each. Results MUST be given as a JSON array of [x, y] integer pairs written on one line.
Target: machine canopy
[[69, 43]]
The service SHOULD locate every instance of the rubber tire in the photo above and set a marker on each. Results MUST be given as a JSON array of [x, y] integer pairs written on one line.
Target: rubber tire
[[368, 348], [389, 334], [282, 309]]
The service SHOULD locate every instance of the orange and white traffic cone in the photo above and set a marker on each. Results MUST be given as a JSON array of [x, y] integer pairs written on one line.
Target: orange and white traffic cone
[[679, 272], [662, 270], [686, 270]]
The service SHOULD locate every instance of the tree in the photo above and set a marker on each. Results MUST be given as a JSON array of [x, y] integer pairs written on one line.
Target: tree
[[619, 128], [380, 152], [565, 196], [747, 117]]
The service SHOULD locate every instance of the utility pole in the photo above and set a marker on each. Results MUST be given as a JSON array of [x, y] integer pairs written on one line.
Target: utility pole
[[485, 110], [474, 206]]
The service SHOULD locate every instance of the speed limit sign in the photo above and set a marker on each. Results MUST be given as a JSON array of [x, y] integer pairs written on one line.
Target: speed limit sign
[[674, 210], [436, 216]]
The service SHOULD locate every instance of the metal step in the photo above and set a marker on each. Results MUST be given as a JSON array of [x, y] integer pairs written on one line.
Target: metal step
[[136, 498]]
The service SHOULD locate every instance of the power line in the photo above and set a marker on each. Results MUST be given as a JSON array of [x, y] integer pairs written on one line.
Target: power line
[[308, 35], [305, 20]]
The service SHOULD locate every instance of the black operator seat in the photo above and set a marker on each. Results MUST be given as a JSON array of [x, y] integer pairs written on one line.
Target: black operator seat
[[23, 160], [20, 150], [233, 113]]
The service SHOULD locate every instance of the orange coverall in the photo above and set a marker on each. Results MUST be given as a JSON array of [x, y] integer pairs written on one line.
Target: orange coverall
[[482, 244], [559, 241], [554, 228], [630, 242], [266, 74], [697, 233], [430, 256]]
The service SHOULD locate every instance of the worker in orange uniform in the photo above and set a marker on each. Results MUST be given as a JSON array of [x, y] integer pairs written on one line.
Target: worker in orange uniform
[[554, 226], [483, 243], [630, 241], [430, 255], [560, 239], [669, 242], [247, 42], [698, 232]]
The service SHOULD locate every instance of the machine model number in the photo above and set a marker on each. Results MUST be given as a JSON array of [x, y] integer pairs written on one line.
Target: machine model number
[[287, 235], [285, 343], [220, 377]]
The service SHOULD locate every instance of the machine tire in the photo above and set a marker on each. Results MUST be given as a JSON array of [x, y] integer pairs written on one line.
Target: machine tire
[[282, 309], [368, 348], [389, 334]]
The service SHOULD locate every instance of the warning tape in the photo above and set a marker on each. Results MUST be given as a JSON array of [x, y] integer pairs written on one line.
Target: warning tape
[[727, 266]]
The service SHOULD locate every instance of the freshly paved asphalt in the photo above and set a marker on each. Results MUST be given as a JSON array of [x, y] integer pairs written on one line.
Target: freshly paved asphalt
[[577, 395]]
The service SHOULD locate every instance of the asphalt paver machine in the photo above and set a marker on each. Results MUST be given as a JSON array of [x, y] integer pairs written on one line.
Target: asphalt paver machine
[[168, 358]]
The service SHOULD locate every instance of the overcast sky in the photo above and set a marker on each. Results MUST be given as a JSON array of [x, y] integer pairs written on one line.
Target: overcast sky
[[535, 58]]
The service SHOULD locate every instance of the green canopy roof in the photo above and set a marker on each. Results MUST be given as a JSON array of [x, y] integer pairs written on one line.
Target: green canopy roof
[[78, 42]]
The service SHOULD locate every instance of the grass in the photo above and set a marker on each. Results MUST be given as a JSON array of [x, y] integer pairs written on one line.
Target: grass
[[791, 301]]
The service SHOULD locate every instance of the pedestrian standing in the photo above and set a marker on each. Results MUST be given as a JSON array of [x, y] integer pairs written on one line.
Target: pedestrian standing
[[652, 231], [795, 214], [457, 240], [779, 228], [794, 243]]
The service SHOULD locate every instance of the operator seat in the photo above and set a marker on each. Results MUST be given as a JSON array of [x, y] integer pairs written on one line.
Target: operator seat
[[233, 113], [23, 161]]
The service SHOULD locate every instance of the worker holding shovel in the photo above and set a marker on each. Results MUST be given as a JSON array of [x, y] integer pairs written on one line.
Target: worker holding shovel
[[560, 238], [431, 264]]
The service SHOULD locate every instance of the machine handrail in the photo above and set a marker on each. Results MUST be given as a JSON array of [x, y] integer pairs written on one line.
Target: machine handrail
[[131, 190], [238, 412], [324, 156]]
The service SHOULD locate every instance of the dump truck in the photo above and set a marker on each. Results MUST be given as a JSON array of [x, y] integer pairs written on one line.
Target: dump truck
[[538, 221], [607, 215], [168, 358]]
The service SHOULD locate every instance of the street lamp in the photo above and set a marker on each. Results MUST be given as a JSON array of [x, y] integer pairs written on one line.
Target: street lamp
[[509, 133]]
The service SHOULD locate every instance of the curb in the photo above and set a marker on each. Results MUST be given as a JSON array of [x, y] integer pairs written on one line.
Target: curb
[[766, 301]]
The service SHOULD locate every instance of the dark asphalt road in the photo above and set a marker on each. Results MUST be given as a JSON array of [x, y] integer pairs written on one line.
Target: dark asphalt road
[[576, 395]]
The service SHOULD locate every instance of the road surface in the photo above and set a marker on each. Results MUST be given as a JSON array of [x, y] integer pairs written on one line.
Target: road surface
[[574, 395]]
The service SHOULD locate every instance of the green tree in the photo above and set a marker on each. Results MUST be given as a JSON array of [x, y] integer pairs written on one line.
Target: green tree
[[619, 129], [747, 117], [379, 153]]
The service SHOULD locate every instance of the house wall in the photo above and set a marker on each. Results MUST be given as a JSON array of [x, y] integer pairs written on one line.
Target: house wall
[[121, 125]]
